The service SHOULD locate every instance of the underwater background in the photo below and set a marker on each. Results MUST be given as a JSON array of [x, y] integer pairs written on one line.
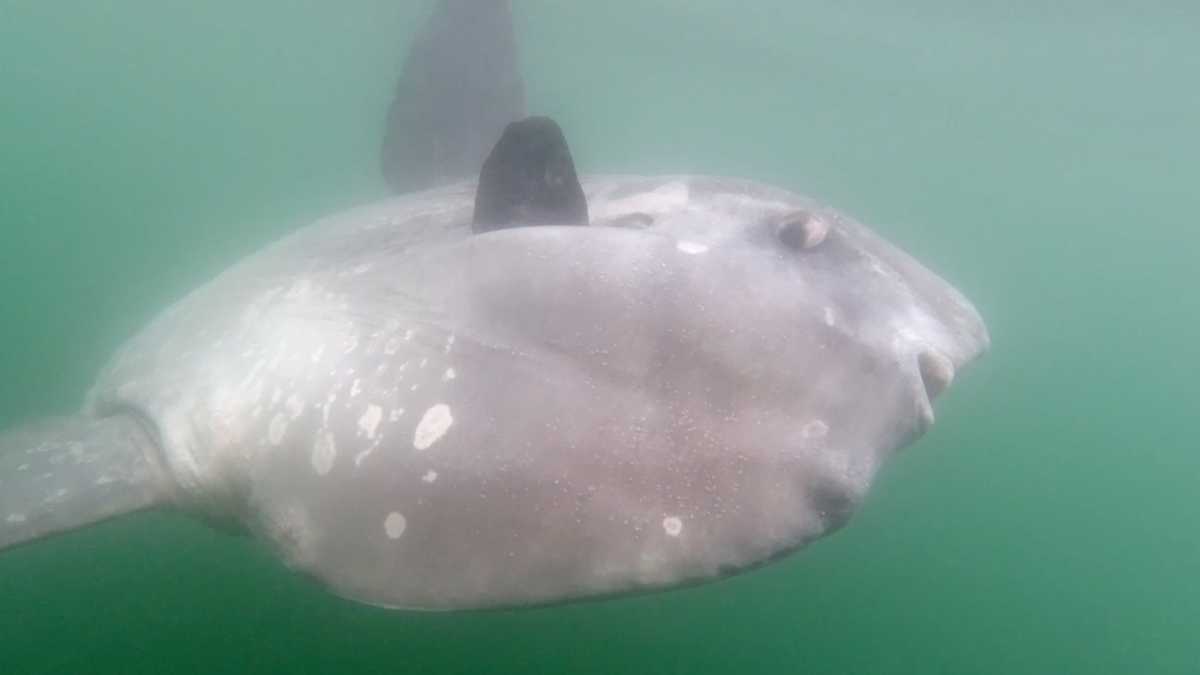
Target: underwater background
[[1042, 156]]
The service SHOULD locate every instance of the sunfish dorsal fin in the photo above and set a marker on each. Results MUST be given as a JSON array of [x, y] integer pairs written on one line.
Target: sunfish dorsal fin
[[529, 179], [459, 88]]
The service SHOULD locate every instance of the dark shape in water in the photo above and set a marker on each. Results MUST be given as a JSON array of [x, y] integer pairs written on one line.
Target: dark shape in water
[[529, 179], [459, 88]]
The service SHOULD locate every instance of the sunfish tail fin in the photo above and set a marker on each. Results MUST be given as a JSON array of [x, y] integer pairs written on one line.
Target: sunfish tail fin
[[459, 88], [65, 473]]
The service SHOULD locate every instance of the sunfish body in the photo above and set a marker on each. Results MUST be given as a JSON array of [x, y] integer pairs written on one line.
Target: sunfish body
[[424, 417]]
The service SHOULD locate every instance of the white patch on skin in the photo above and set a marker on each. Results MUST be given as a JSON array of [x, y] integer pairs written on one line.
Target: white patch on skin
[[324, 454], [395, 415], [424, 362], [295, 406], [672, 526], [394, 525], [362, 456], [23, 467], [316, 357], [369, 422], [15, 518], [433, 425], [449, 374], [691, 247], [356, 388], [450, 343], [408, 335], [829, 321], [663, 199], [103, 480], [325, 412], [429, 476], [815, 429], [414, 387], [352, 344], [278, 428]]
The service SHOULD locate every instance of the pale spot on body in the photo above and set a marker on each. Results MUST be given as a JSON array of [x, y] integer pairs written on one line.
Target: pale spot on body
[[433, 425], [362, 456], [56, 496], [691, 247], [672, 525], [369, 422], [829, 320], [815, 429], [324, 454], [355, 388], [15, 518], [663, 199], [278, 429], [295, 406], [325, 411], [430, 476], [449, 374], [395, 415], [394, 525]]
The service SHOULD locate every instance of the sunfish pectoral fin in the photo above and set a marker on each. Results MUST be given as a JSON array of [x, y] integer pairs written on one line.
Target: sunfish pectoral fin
[[459, 88], [65, 473]]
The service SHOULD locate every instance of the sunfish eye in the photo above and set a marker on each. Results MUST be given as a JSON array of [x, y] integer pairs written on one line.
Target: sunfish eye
[[802, 230]]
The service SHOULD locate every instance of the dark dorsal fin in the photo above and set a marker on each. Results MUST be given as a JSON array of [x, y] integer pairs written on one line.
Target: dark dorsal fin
[[460, 86], [529, 179]]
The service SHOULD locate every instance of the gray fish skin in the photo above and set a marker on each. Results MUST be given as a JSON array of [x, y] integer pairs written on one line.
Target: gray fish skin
[[419, 417]]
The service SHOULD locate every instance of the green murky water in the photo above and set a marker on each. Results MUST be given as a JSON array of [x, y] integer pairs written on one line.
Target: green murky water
[[1042, 157]]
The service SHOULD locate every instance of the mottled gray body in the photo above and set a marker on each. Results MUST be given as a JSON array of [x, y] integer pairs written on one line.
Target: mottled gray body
[[421, 417]]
